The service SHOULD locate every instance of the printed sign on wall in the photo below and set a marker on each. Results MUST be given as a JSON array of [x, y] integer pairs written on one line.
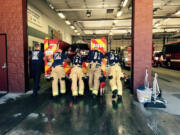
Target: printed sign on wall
[[99, 44], [34, 17]]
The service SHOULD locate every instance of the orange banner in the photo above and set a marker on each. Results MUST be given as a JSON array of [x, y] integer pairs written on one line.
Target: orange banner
[[99, 44], [50, 47]]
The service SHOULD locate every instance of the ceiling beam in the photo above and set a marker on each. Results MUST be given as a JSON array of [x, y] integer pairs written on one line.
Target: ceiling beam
[[83, 9], [107, 29], [125, 19], [129, 28]]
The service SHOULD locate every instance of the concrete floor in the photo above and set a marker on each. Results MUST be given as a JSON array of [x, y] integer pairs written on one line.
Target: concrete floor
[[100, 117], [44, 116], [165, 121]]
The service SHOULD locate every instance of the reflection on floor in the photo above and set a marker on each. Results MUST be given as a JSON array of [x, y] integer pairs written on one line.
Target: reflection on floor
[[166, 121], [86, 116], [44, 116]]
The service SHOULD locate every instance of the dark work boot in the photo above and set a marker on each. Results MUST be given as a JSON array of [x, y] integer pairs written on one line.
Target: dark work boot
[[114, 93], [119, 99], [114, 105], [94, 96], [74, 99]]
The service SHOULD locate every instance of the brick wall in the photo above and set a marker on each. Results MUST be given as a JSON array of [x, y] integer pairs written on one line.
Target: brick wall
[[142, 40], [13, 22]]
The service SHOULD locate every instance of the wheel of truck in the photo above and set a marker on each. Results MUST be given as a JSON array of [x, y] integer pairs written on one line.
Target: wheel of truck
[[155, 64], [169, 64]]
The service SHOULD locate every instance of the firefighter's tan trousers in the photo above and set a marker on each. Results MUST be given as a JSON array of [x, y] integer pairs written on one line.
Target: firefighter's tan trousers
[[58, 73], [94, 73], [115, 83], [77, 74]]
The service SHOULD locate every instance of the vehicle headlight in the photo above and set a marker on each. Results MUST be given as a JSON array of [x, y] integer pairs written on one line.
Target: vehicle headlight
[[126, 59], [156, 58]]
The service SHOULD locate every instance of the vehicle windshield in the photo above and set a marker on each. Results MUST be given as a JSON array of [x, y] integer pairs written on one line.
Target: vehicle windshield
[[171, 48]]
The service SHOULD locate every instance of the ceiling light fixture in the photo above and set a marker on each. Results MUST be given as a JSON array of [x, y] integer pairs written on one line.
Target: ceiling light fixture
[[115, 21], [61, 15], [125, 3], [165, 20], [51, 6], [75, 31], [68, 22], [78, 34], [88, 13], [119, 13], [178, 12], [72, 27], [111, 33], [157, 24]]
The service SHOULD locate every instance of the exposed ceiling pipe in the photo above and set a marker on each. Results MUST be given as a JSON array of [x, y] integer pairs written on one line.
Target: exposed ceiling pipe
[[99, 29], [82, 9], [79, 27], [126, 19]]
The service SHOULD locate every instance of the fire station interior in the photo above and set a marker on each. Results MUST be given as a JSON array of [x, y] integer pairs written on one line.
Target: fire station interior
[[75, 23]]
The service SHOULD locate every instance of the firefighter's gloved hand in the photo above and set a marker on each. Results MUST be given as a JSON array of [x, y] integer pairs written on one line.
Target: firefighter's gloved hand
[[110, 77], [87, 77], [83, 78], [50, 79], [63, 78], [121, 78], [103, 78]]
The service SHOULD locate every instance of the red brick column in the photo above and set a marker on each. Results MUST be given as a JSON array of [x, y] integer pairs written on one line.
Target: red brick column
[[142, 41], [13, 22]]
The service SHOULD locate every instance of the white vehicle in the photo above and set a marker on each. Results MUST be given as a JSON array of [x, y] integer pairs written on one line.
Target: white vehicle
[[126, 57]]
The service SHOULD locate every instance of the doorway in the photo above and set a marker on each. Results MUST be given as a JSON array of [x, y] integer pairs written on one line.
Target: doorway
[[3, 63]]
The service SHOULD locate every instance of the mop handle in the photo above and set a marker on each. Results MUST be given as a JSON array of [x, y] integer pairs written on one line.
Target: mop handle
[[155, 86], [146, 82]]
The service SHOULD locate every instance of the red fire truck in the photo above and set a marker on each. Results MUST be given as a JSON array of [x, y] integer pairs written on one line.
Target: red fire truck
[[171, 54]]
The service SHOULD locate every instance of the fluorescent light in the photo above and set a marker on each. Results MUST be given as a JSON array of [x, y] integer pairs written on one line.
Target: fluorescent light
[[61, 15], [72, 27], [157, 24], [165, 20], [125, 3], [68, 22], [75, 31], [119, 13], [115, 21], [178, 12], [51, 6]]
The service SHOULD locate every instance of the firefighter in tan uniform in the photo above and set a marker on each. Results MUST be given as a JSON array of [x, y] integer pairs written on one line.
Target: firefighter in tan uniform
[[94, 71], [77, 75], [58, 73], [115, 75]]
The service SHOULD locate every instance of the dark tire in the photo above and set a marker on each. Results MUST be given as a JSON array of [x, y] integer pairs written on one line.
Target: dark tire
[[169, 64], [155, 64]]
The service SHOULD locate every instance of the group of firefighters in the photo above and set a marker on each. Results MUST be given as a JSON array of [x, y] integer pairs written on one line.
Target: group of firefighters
[[96, 79]]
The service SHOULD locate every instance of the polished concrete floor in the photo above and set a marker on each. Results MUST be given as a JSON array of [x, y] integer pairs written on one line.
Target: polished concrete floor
[[165, 121], [86, 117], [102, 116], [63, 116]]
